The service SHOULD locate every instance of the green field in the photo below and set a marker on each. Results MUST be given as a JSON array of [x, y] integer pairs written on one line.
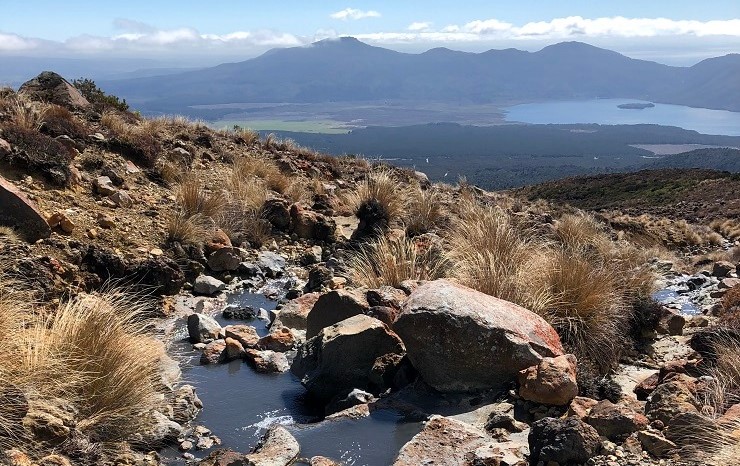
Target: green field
[[302, 126]]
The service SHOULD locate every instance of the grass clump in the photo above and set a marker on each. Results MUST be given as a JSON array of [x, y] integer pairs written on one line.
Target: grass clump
[[132, 137], [379, 198], [424, 211], [390, 261], [37, 152]]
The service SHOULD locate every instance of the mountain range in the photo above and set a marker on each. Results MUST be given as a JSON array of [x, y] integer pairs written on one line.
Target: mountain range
[[348, 70]]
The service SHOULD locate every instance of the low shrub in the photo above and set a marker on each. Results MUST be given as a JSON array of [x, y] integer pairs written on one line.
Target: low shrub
[[99, 99], [381, 190], [39, 153], [58, 121]]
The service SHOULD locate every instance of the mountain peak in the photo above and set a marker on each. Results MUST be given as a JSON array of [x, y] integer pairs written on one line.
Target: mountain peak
[[339, 41]]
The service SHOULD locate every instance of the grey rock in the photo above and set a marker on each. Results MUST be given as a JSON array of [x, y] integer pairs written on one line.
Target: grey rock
[[16, 210], [226, 259], [334, 307], [272, 264], [563, 441], [208, 286], [277, 448], [202, 328]]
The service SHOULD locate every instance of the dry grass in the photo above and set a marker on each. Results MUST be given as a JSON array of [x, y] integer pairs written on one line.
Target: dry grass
[[186, 229], [577, 231], [659, 231], [22, 112], [253, 166], [380, 186], [242, 216], [8, 234], [424, 211], [385, 261], [194, 199], [58, 121], [728, 228], [246, 136], [134, 138]]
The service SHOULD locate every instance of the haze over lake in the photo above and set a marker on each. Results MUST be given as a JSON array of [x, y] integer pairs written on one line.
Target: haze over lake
[[606, 112]]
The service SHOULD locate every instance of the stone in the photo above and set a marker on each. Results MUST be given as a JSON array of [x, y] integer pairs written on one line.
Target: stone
[[387, 315], [158, 430], [312, 225], [355, 398], [267, 361], [204, 443], [224, 458], [16, 210], [581, 406], [722, 269], [234, 349], [562, 441], [692, 429], [646, 386], [271, 263], [311, 256], [219, 239], [186, 445], [51, 87], [668, 400], [334, 307], [731, 417], [386, 296], [208, 286], [319, 277], [51, 422], [106, 221], [615, 421], [462, 340], [185, 404], [16, 457], [239, 312], [294, 314], [279, 340], [121, 199], [551, 382], [62, 221], [104, 186], [654, 443], [244, 334], [5, 147], [729, 283], [213, 353], [54, 460], [671, 322], [322, 461], [342, 357], [14, 407], [337, 283], [202, 328], [277, 448], [277, 212], [225, 259]]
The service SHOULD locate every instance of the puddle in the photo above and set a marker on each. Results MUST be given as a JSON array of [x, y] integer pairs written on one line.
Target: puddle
[[676, 300], [241, 404]]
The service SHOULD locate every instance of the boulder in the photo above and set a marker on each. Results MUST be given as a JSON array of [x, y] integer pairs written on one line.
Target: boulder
[[343, 357], [223, 458], [234, 349], [267, 361], [671, 322], [277, 448], [581, 406], [121, 199], [312, 225], [225, 259], [277, 212], [295, 313], [722, 269], [157, 431], [551, 382], [334, 307], [202, 328], [214, 353], [51, 87], [615, 422], [17, 211], [654, 443], [208, 286], [462, 340], [318, 277], [271, 263], [104, 186], [386, 296], [279, 340], [668, 400], [244, 334], [562, 441]]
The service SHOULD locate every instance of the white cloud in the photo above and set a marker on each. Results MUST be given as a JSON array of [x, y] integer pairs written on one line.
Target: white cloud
[[419, 26], [352, 13], [16, 43]]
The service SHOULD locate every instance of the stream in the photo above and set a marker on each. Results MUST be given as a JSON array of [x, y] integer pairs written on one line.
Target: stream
[[240, 404]]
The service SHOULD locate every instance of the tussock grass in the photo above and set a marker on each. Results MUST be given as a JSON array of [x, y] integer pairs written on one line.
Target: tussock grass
[[194, 199], [424, 211], [242, 215], [186, 229], [382, 188], [58, 121], [728, 228], [22, 112], [578, 231], [8, 234], [133, 137], [265, 169], [390, 261], [658, 231]]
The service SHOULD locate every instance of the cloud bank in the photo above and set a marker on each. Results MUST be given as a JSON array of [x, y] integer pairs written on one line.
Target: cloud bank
[[351, 13]]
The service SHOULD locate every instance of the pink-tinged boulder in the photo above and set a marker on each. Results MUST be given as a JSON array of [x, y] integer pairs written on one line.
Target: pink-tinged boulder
[[295, 313], [616, 421], [51, 87], [312, 225], [551, 382], [17, 211], [334, 307], [462, 340]]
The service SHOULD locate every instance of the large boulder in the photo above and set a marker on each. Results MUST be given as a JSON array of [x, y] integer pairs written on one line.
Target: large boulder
[[312, 225], [334, 307], [562, 441], [202, 328], [51, 87], [616, 421], [225, 259], [277, 448], [295, 313], [461, 340], [346, 356], [16, 210]]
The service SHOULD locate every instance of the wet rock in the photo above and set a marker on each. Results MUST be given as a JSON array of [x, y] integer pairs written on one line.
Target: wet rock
[[279, 340], [334, 307], [563, 441], [208, 286], [654, 443], [461, 340], [295, 313], [267, 361], [312, 225], [551, 382], [224, 458], [213, 353], [202, 328], [234, 349], [16, 210], [322, 461], [671, 322], [272, 264], [342, 357], [158, 431], [237, 312], [615, 422], [277, 448], [244, 334], [355, 398], [225, 259], [668, 400], [51, 87]]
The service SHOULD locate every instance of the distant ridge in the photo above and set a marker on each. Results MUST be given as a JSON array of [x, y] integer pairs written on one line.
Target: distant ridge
[[349, 70]]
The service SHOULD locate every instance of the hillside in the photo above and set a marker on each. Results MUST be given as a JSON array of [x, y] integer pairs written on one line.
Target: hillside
[[351, 71]]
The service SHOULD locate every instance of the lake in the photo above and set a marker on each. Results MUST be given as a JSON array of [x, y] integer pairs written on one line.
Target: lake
[[606, 112]]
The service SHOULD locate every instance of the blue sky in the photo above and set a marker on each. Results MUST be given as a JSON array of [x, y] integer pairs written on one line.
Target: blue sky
[[218, 29]]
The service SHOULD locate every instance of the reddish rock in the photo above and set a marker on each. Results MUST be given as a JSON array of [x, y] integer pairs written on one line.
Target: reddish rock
[[671, 322], [462, 340], [18, 211], [731, 416], [334, 307], [218, 240], [244, 334], [312, 225], [551, 382], [267, 361], [581, 406], [295, 313], [234, 349], [668, 400], [386, 296], [646, 386], [223, 458], [654, 443], [615, 422], [214, 353], [385, 314], [280, 340]]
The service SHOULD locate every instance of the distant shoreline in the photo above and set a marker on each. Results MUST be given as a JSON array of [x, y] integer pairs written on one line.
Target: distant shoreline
[[636, 106]]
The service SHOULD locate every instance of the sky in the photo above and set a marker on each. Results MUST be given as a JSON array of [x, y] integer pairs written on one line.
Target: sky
[[200, 32]]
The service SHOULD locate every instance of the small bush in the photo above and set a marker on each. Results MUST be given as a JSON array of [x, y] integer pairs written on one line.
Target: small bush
[[58, 121], [385, 261], [384, 191], [99, 99], [195, 200], [38, 153]]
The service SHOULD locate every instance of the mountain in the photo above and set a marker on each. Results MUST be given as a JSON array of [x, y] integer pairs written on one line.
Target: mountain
[[347, 70]]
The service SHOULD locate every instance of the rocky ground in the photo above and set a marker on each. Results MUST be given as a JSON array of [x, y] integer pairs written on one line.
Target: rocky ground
[[512, 392]]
